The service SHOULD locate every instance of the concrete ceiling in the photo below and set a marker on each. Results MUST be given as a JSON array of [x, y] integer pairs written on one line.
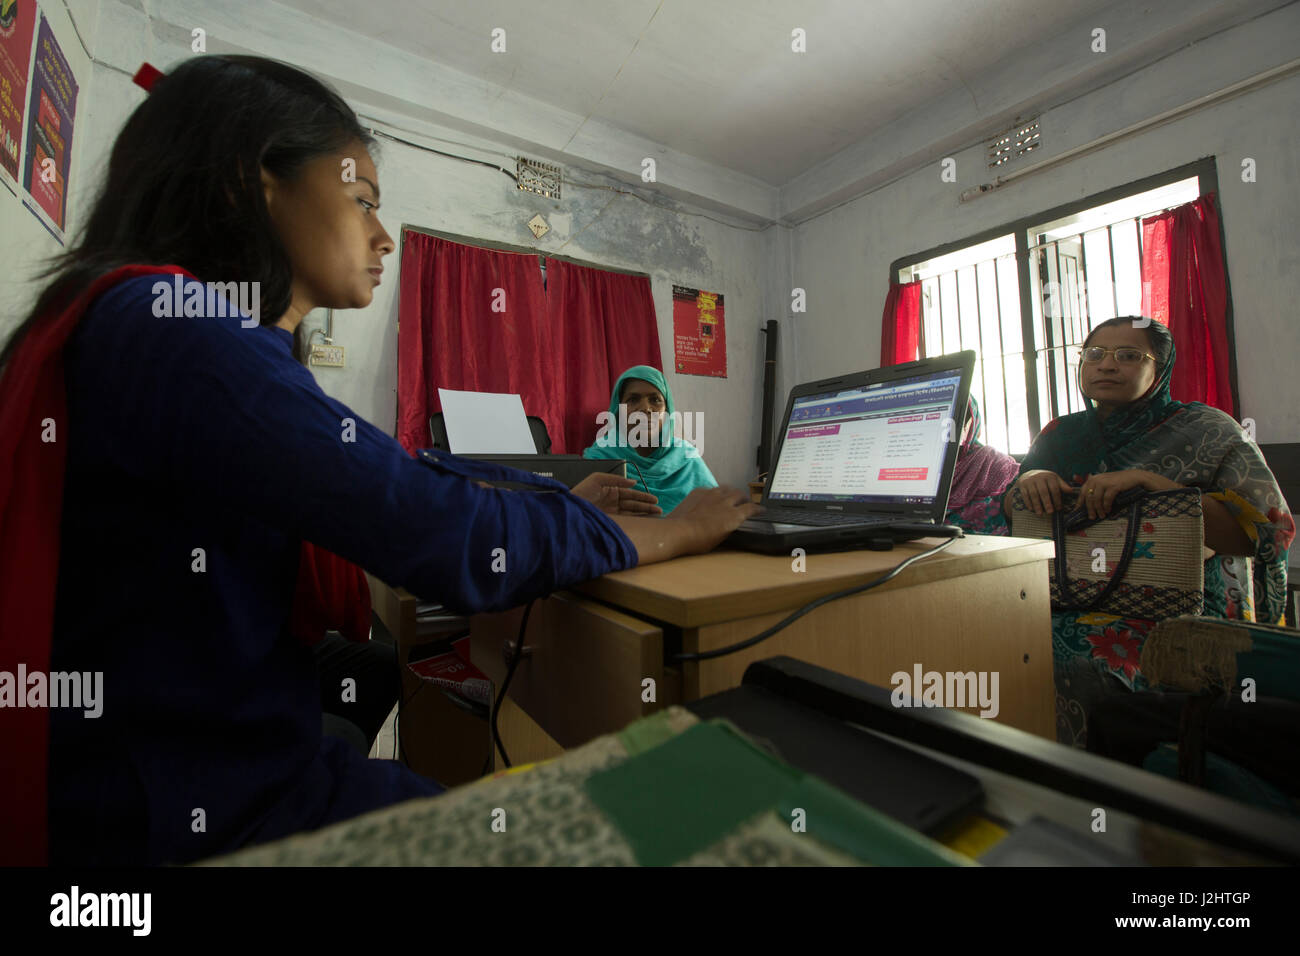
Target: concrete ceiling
[[717, 79], [738, 123]]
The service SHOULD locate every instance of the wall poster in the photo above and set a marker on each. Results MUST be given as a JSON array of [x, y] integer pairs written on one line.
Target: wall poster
[[699, 333]]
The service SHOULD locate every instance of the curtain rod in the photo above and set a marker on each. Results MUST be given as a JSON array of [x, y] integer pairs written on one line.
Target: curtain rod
[[521, 250]]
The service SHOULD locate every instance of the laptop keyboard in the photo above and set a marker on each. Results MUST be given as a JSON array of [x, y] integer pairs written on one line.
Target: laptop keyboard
[[816, 518]]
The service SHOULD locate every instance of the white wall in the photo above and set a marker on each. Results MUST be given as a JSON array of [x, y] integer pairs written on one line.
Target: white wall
[[431, 192], [596, 226], [842, 257]]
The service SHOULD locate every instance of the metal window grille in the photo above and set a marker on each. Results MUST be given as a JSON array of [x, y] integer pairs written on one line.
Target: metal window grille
[[1080, 280], [978, 307], [1075, 281]]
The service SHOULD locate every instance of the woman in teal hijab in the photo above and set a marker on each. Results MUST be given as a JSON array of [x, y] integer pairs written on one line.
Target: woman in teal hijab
[[662, 462]]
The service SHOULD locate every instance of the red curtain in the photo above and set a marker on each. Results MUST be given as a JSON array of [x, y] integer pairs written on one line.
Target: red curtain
[[900, 326], [1185, 286], [560, 347], [331, 595], [603, 323], [472, 319]]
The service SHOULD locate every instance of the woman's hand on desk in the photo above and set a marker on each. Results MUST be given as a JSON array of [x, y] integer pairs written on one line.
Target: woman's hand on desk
[[616, 495], [713, 513], [700, 523]]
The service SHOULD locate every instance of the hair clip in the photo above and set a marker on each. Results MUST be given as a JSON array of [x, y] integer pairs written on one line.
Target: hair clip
[[147, 76]]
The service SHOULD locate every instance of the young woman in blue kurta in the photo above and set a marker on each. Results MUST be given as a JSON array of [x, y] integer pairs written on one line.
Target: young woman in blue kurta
[[199, 452]]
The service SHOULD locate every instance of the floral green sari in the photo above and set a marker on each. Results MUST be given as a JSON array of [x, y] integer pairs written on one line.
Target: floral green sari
[[1196, 446]]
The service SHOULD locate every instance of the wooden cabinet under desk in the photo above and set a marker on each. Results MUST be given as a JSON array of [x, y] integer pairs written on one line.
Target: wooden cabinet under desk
[[437, 738], [585, 667], [982, 605]]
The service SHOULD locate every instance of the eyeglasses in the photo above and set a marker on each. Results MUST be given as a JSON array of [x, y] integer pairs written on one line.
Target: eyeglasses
[[1123, 355]]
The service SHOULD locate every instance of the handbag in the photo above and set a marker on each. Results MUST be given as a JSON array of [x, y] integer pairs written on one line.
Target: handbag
[[1142, 560]]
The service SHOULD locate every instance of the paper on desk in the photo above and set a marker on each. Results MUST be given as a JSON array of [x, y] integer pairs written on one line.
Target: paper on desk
[[486, 423]]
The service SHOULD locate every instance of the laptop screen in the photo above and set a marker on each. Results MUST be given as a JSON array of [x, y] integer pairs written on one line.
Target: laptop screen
[[870, 444]]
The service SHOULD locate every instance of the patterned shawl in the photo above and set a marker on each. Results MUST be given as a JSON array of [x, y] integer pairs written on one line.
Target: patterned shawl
[[981, 471], [1199, 447]]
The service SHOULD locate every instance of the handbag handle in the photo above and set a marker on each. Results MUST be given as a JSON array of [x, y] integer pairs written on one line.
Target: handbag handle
[[1067, 602]]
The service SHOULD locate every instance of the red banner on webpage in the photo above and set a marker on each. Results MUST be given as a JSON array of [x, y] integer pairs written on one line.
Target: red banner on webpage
[[895, 456], [813, 431], [903, 474]]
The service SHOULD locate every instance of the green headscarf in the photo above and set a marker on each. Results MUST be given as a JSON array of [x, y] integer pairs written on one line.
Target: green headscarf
[[671, 471]]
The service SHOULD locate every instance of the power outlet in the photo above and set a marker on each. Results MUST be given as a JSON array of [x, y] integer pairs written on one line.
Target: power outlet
[[329, 355]]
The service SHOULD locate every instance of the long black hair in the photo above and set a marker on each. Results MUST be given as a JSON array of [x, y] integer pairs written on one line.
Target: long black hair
[[184, 183]]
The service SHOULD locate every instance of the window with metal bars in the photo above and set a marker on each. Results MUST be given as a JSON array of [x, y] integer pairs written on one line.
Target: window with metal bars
[[1024, 297]]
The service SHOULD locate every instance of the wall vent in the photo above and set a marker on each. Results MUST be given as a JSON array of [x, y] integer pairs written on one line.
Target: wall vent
[[1007, 147], [537, 177]]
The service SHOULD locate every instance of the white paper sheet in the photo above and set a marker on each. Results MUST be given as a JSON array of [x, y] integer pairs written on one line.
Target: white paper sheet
[[486, 423]]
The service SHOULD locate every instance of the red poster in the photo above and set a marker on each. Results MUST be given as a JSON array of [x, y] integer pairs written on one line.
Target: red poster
[[51, 107], [17, 26], [699, 333]]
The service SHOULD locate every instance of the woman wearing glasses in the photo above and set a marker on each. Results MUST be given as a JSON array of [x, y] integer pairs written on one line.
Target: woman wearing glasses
[[1133, 434]]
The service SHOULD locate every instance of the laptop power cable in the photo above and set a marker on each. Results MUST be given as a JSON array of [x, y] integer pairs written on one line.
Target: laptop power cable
[[811, 606]]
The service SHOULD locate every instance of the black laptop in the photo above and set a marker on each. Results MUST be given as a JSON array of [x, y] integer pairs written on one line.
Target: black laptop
[[864, 460]]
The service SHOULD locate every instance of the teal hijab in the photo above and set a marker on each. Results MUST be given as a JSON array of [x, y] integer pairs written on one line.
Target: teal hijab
[[671, 471], [1078, 445]]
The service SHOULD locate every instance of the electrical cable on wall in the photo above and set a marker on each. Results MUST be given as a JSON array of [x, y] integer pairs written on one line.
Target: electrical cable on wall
[[439, 152], [578, 184]]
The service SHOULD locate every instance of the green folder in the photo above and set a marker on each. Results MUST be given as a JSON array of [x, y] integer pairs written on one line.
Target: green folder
[[686, 793]]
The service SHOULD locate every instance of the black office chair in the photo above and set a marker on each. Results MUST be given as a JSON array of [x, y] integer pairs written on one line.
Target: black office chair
[[541, 438]]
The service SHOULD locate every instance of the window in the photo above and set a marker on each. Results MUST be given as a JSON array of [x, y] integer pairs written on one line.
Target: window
[[1087, 268], [1047, 281], [970, 299]]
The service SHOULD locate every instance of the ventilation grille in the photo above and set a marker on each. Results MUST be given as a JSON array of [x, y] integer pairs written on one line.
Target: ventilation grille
[[1014, 143], [538, 177]]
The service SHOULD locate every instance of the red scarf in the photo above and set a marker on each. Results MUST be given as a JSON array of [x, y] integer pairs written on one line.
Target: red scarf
[[33, 458]]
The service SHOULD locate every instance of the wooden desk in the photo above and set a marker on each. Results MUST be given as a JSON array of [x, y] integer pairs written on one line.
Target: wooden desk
[[981, 605], [438, 739]]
